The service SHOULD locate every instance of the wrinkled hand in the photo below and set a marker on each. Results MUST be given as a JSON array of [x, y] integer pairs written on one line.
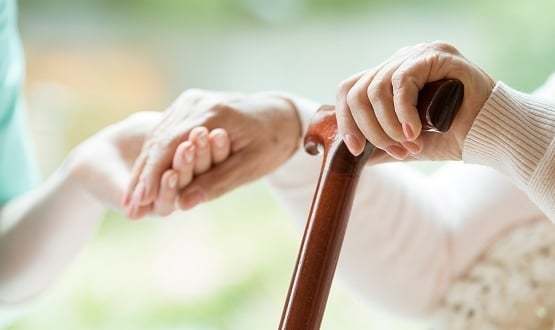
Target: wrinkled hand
[[263, 130], [379, 105]]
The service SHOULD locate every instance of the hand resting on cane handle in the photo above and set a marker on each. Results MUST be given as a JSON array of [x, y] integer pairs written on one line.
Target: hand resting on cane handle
[[379, 104]]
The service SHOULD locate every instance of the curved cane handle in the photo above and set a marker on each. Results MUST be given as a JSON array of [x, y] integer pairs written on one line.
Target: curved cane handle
[[438, 103]]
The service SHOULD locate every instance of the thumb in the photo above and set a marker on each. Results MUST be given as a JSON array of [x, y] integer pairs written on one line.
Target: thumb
[[221, 179]]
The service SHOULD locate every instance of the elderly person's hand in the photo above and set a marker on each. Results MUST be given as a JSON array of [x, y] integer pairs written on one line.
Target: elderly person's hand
[[379, 105], [263, 131]]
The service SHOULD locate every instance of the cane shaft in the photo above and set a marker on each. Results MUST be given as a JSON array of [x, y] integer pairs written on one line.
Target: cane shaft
[[438, 103]]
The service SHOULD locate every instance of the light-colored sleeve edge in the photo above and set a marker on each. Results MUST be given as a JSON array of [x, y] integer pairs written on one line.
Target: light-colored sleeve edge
[[514, 134]]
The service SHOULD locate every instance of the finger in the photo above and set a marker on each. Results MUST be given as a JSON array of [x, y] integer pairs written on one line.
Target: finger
[[365, 119], [159, 160], [220, 145], [414, 147], [380, 95], [346, 126], [203, 157], [133, 180], [138, 212], [221, 179], [407, 81], [183, 162], [165, 202], [379, 156]]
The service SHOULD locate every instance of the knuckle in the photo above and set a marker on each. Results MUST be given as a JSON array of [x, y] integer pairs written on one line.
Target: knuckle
[[394, 131], [376, 137], [217, 111], [401, 78], [343, 88], [378, 90], [443, 46], [218, 108], [379, 141], [432, 59], [157, 146], [221, 107], [398, 79], [354, 100]]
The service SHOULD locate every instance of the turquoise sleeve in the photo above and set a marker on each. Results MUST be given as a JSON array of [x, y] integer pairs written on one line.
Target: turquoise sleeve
[[18, 170]]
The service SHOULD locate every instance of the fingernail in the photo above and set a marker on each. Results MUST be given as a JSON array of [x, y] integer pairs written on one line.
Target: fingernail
[[192, 198], [128, 212], [190, 154], [202, 140], [138, 194], [125, 199], [412, 147], [408, 131], [351, 143], [396, 152], [172, 182], [132, 213], [219, 140]]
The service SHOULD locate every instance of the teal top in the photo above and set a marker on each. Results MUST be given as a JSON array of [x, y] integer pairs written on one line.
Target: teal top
[[18, 171]]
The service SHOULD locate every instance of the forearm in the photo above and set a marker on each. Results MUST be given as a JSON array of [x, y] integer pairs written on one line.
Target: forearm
[[395, 250], [515, 134], [41, 232]]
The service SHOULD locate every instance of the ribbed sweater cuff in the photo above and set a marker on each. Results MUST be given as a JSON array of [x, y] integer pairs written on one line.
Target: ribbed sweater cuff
[[513, 134]]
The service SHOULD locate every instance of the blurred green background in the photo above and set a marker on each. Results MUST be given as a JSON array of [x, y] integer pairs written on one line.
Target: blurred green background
[[227, 264]]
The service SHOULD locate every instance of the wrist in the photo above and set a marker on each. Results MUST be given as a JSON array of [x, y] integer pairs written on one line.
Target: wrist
[[304, 109], [73, 173], [479, 94], [286, 120], [511, 133]]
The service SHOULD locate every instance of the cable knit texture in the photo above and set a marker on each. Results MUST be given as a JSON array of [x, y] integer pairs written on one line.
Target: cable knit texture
[[514, 133]]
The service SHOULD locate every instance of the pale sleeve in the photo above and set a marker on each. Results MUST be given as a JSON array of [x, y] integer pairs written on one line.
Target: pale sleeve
[[514, 134], [410, 234]]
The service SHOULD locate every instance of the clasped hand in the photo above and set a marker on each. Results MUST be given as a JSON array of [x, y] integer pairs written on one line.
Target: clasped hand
[[208, 143]]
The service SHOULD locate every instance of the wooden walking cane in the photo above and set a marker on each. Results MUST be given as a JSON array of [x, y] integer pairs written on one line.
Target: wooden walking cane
[[438, 103]]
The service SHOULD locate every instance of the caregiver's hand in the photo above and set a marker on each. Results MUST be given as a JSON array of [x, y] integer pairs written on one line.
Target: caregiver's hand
[[264, 131], [102, 164], [379, 105]]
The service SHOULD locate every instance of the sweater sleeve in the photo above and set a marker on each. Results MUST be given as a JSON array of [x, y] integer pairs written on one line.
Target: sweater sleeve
[[514, 134], [410, 235]]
